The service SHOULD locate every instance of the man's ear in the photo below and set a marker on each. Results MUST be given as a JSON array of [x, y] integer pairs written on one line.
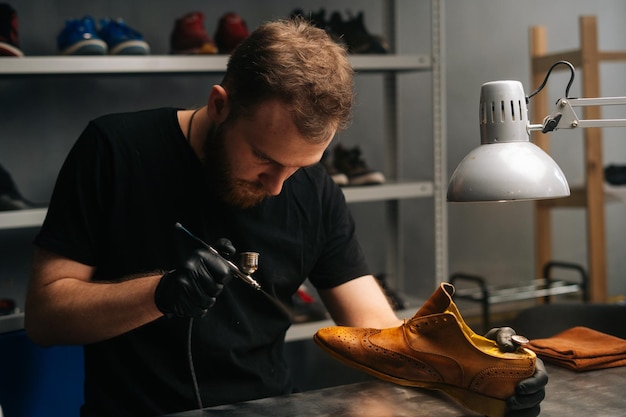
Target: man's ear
[[218, 104]]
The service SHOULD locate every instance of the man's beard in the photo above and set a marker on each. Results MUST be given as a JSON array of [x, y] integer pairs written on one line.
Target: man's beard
[[219, 171]]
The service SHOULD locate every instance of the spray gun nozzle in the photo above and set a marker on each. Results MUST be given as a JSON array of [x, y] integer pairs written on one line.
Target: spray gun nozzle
[[249, 260]]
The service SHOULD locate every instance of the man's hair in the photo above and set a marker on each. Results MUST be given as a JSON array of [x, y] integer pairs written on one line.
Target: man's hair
[[299, 64]]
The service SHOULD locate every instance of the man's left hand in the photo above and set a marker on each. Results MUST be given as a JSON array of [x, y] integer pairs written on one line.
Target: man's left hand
[[531, 391]]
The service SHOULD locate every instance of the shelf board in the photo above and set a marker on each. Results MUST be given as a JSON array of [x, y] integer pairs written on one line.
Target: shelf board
[[34, 217], [362, 63], [168, 64], [389, 191], [578, 197], [22, 218], [11, 323]]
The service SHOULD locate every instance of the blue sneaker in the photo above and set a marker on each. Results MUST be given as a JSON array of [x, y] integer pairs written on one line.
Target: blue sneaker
[[79, 37], [121, 39]]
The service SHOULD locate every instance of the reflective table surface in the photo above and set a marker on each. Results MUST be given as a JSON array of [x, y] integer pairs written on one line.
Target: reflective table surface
[[597, 393]]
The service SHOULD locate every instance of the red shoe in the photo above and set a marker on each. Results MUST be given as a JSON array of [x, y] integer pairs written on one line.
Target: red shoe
[[8, 32], [190, 37], [231, 31]]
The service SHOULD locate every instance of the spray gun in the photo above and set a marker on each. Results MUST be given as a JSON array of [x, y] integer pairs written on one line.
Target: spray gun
[[248, 261]]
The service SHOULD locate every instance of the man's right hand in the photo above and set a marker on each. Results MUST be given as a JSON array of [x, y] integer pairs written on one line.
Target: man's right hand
[[189, 291]]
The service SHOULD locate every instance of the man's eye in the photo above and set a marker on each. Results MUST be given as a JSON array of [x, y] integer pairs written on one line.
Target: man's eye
[[261, 157]]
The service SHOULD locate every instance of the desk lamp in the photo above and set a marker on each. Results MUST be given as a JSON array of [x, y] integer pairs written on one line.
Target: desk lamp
[[507, 166]]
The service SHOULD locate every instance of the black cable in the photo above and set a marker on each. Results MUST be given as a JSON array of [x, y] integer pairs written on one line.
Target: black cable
[[545, 80], [191, 367]]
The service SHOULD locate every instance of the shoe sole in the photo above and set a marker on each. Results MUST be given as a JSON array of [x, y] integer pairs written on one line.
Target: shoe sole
[[371, 178], [87, 47], [339, 179], [206, 49], [489, 406], [133, 47], [9, 50]]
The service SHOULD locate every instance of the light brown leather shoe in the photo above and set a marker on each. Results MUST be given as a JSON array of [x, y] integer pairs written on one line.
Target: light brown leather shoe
[[436, 350]]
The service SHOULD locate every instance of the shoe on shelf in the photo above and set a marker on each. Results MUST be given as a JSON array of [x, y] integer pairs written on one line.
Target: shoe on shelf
[[306, 306], [79, 37], [231, 31], [190, 37], [435, 350], [10, 197], [8, 306], [351, 163], [615, 174], [356, 36], [396, 302], [337, 176], [9, 43], [122, 39], [317, 19]]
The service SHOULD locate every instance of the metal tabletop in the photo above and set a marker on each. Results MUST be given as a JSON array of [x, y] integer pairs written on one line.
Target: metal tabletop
[[597, 393]]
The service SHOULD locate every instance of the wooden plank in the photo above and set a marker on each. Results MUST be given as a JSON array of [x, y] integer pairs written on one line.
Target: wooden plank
[[594, 171], [539, 108], [577, 198], [612, 56], [542, 63]]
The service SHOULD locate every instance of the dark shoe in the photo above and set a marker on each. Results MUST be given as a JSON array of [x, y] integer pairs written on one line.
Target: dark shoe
[[79, 37], [190, 37], [231, 31], [396, 302], [318, 19], [9, 44], [7, 307], [10, 197], [122, 39], [350, 162], [436, 350], [337, 176], [615, 174], [356, 36]]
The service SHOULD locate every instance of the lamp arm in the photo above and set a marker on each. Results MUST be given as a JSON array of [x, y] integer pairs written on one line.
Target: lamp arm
[[564, 117]]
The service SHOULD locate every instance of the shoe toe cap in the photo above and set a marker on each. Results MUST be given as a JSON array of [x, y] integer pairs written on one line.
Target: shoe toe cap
[[339, 338]]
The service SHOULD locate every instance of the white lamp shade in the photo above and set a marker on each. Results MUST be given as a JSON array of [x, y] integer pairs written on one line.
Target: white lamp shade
[[507, 171]]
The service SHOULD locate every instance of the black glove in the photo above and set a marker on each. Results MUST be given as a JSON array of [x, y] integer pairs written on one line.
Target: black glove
[[502, 336], [531, 391], [189, 291]]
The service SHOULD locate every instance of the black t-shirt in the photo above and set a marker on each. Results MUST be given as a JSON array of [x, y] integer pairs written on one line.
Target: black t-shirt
[[126, 182]]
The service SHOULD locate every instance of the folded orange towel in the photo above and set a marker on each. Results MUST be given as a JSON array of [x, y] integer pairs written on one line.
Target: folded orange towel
[[582, 349]]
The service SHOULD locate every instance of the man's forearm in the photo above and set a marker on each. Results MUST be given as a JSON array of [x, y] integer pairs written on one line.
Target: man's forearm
[[73, 311]]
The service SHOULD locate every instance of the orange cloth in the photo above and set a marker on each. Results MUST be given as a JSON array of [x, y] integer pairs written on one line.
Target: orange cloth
[[582, 349]]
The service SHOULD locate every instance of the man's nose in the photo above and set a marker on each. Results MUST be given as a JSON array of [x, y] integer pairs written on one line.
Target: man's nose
[[274, 179]]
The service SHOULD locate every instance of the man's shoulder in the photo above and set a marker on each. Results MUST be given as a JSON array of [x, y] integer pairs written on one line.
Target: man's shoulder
[[313, 177], [138, 116], [313, 184], [148, 127]]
